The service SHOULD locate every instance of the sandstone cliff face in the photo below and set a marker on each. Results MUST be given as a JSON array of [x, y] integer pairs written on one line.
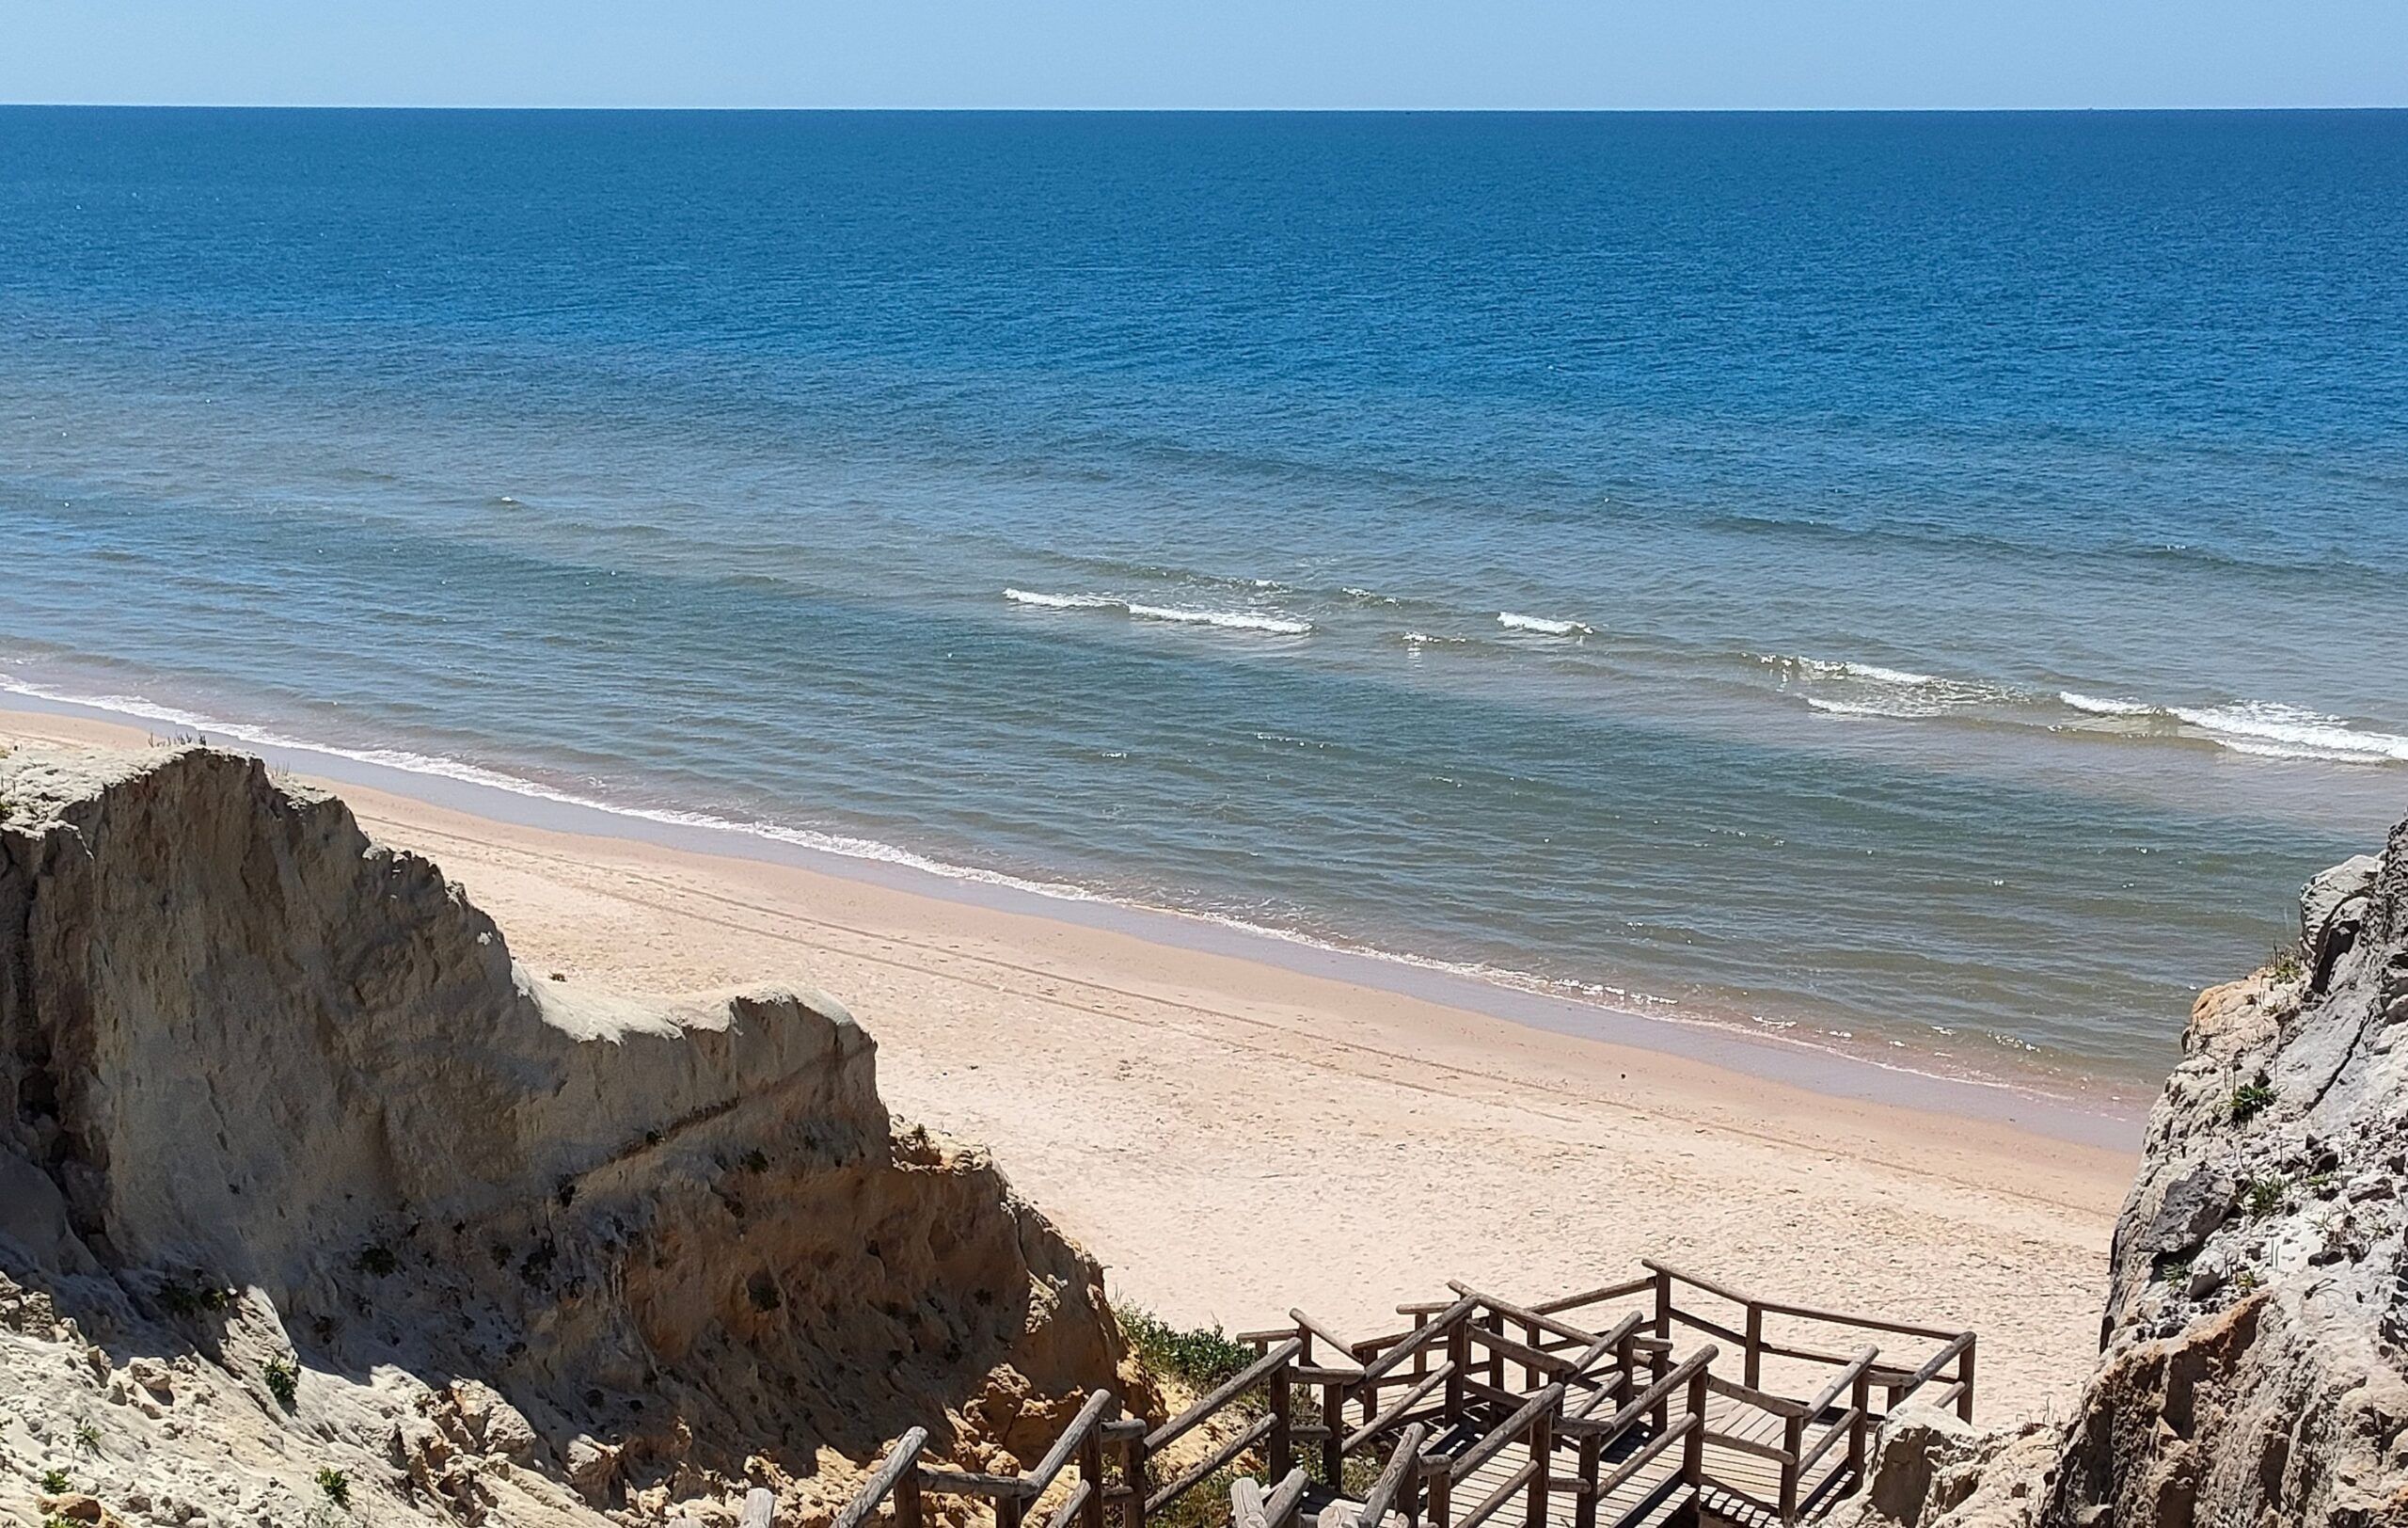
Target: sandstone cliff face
[[279, 1114], [2255, 1333]]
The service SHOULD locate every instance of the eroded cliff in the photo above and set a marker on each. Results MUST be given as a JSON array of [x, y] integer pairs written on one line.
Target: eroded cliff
[[299, 1172]]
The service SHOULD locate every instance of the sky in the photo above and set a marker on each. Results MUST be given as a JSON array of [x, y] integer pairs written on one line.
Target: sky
[[1224, 54]]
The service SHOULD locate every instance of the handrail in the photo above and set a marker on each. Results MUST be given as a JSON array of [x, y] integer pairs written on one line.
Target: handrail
[[1418, 1338], [1707, 1284], [1779, 1406], [1245, 1380], [1250, 1509], [1089, 1416], [1505, 1432], [1305, 1322], [900, 1461], [1842, 1380], [1644, 1402], [1593, 1297], [1523, 1313], [1391, 1413], [1402, 1463], [1808, 1313]]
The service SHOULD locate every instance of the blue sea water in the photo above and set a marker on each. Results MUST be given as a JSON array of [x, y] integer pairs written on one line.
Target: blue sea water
[[1930, 580]]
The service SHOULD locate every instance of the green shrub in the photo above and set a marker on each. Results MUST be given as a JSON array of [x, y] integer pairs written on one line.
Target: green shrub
[[2284, 964], [54, 1483], [2263, 1196], [283, 1382], [1203, 1357], [2249, 1099], [337, 1486]]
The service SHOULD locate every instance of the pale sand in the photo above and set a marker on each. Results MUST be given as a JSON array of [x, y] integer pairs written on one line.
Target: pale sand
[[1231, 1138]]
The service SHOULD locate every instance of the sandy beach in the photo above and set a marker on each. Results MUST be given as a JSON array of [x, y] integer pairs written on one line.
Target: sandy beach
[[1232, 1137]]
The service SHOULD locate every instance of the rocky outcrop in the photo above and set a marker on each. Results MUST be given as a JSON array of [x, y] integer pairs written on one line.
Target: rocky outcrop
[[2255, 1363], [300, 1173]]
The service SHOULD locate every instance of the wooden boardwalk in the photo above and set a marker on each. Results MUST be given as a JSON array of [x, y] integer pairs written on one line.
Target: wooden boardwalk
[[1663, 1400]]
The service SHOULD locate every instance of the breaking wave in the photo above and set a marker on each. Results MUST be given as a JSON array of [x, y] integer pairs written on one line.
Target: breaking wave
[[1542, 625], [1231, 620]]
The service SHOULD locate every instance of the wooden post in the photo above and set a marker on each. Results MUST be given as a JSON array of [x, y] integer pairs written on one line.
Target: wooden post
[[1663, 1306], [1495, 1323], [1755, 1349], [1542, 1450], [1411, 1490], [1693, 1444], [1965, 1382], [1136, 1469], [1584, 1507], [1661, 1362], [1442, 1482], [1091, 1471], [1008, 1511], [1333, 1416], [1862, 1400], [1625, 1368], [907, 1500], [1458, 1354], [1531, 1378], [1282, 1446], [1793, 1442]]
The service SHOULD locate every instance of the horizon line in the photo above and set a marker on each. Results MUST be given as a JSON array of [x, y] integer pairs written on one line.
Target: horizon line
[[1202, 111]]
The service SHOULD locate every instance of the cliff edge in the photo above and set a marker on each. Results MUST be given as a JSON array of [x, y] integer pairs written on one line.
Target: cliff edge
[[2255, 1341], [310, 1198]]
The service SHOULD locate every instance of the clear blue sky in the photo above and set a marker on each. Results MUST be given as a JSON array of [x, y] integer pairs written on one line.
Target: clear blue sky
[[1651, 53]]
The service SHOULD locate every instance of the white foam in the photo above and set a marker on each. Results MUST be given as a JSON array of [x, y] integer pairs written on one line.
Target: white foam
[[1907, 711], [2268, 729], [1229, 620], [1541, 625], [1432, 639], [1233, 620], [1024, 597], [2098, 706], [1824, 668]]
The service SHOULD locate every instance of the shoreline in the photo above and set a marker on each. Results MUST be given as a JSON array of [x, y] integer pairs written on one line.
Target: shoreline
[[1231, 1138], [2086, 1110]]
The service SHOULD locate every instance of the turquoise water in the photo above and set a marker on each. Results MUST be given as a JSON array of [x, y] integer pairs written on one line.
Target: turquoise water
[[1931, 582]]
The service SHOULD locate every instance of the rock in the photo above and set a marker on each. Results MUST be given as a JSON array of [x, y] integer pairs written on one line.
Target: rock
[[2197, 1202], [593, 1469], [2331, 906], [274, 1095], [75, 1508]]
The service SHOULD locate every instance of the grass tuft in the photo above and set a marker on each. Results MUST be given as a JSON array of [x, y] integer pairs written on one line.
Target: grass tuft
[[2250, 1100]]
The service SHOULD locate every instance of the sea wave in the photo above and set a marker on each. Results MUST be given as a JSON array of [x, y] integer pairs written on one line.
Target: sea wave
[[1024, 597], [1432, 639], [1231, 620], [2270, 729], [2259, 728], [1542, 625], [1824, 668], [2098, 706], [1904, 710]]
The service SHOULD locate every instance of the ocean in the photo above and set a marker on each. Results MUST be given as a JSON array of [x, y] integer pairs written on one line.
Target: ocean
[[1930, 584]]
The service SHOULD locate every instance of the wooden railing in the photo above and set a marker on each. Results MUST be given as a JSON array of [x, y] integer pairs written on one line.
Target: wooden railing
[[1590, 1386], [1953, 1363], [1274, 1432]]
